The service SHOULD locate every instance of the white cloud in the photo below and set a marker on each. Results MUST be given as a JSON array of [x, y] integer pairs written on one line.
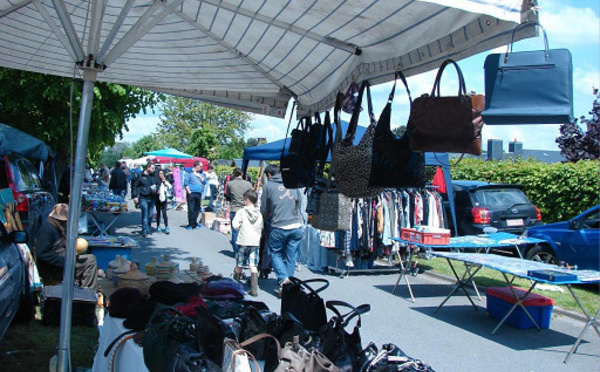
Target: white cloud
[[141, 126], [567, 25], [585, 79]]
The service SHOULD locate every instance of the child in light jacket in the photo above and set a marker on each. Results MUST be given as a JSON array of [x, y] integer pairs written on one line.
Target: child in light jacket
[[249, 222]]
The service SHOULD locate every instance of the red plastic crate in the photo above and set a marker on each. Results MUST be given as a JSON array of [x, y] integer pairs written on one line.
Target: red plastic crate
[[413, 235]]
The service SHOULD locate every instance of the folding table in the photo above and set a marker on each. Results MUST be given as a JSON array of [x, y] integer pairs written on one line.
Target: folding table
[[519, 268], [479, 243]]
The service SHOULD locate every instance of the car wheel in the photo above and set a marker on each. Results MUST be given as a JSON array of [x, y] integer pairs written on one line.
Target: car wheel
[[542, 253]]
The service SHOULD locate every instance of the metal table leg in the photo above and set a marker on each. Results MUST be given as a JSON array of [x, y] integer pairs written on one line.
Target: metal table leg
[[403, 271], [518, 303], [591, 321], [460, 283]]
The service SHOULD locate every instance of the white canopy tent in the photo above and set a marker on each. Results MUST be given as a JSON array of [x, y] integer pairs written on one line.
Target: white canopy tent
[[253, 55]]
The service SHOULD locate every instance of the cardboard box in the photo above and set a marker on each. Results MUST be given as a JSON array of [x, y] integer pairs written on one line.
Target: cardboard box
[[208, 218], [500, 300], [222, 225]]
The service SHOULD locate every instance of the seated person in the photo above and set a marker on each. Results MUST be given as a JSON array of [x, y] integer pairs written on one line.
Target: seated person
[[51, 247]]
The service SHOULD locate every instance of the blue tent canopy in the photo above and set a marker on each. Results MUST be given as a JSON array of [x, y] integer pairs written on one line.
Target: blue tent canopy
[[13, 141], [272, 151]]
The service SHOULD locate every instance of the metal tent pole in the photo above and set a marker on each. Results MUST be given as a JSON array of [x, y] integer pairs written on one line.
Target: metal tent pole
[[64, 356]]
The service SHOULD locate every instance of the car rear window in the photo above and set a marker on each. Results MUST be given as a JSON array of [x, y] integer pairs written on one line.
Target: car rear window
[[26, 177], [501, 197]]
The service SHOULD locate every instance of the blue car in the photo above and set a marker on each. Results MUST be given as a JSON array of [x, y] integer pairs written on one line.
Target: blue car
[[574, 242]]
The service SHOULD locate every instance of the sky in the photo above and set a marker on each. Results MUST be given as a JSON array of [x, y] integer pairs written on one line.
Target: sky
[[571, 24]]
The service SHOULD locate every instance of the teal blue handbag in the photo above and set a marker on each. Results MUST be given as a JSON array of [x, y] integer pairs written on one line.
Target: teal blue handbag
[[533, 87]]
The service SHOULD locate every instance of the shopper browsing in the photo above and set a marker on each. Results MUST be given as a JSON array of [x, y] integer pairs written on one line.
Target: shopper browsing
[[249, 223], [165, 194], [234, 193], [283, 206]]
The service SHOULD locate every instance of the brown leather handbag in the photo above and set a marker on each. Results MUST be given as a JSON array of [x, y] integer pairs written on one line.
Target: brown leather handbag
[[445, 124]]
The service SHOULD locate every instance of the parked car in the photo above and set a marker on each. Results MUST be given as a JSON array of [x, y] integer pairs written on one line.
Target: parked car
[[34, 203], [482, 204], [16, 293], [574, 242]]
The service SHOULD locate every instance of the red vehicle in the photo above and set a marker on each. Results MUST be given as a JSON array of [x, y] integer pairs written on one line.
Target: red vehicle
[[186, 163]]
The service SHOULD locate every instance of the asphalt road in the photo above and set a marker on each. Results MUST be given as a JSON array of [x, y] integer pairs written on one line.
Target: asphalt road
[[456, 338]]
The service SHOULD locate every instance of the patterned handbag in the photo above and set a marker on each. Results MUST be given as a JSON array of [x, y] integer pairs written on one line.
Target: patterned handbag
[[353, 163]]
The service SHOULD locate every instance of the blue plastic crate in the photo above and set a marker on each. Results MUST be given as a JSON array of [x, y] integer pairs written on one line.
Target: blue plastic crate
[[500, 301]]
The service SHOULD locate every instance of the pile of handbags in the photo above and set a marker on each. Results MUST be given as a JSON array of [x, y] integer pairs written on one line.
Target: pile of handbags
[[188, 337]]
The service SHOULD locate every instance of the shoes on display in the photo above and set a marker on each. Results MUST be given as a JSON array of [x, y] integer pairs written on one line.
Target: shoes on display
[[167, 230]]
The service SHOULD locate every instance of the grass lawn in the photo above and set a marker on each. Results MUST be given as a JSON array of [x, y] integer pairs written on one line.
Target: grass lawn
[[587, 294], [28, 347]]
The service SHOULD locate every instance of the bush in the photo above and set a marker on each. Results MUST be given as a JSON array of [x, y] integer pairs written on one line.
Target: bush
[[560, 190]]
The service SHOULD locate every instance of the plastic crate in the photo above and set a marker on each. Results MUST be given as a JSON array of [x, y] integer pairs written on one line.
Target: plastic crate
[[106, 254], [500, 300], [413, 235]]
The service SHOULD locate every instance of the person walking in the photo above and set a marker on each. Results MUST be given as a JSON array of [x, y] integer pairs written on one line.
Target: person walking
[[283, 207], [144, 190], [118, 180], [194, 184], [249, 223], [234, 193], [213, 188], [165, 194]]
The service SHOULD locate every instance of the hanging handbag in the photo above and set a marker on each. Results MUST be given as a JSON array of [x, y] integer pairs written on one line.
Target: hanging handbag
[[334, 209], [393, 164], [341, 347], [532, 87], [303, 302], [296, 171], [444, 124], [353, 163]]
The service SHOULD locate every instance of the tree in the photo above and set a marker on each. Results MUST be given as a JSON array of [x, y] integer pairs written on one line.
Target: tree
[[574, 143], [114, 153], [182, 116], [41, 105], [144, 144]]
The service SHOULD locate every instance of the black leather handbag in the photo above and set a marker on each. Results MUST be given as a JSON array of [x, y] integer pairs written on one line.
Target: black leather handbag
[[304, 303], [393, 163], [341, 347]]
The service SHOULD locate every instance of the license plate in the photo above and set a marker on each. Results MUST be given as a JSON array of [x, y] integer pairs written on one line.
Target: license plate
[[517, 222]]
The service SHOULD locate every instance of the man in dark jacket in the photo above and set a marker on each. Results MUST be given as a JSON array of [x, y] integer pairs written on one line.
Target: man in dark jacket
[[143, 192], [283, 207], [51, 247], [118, 180]]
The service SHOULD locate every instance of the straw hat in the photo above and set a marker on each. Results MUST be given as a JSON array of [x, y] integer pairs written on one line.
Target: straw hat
[[60, 212]]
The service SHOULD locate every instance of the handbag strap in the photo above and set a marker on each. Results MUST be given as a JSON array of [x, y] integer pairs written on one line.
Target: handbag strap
[[337, 117], [384, 124], [326, 142], [113, 342], [288, 128], [351, 132], [346, 318], [304, 283], [435, 92], [512, 38], [258, 337]]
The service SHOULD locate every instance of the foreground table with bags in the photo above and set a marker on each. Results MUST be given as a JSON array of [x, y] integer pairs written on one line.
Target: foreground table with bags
[[185, 327]]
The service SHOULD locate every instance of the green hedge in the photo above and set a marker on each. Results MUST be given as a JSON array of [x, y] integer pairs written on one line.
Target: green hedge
[[560, 190]]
